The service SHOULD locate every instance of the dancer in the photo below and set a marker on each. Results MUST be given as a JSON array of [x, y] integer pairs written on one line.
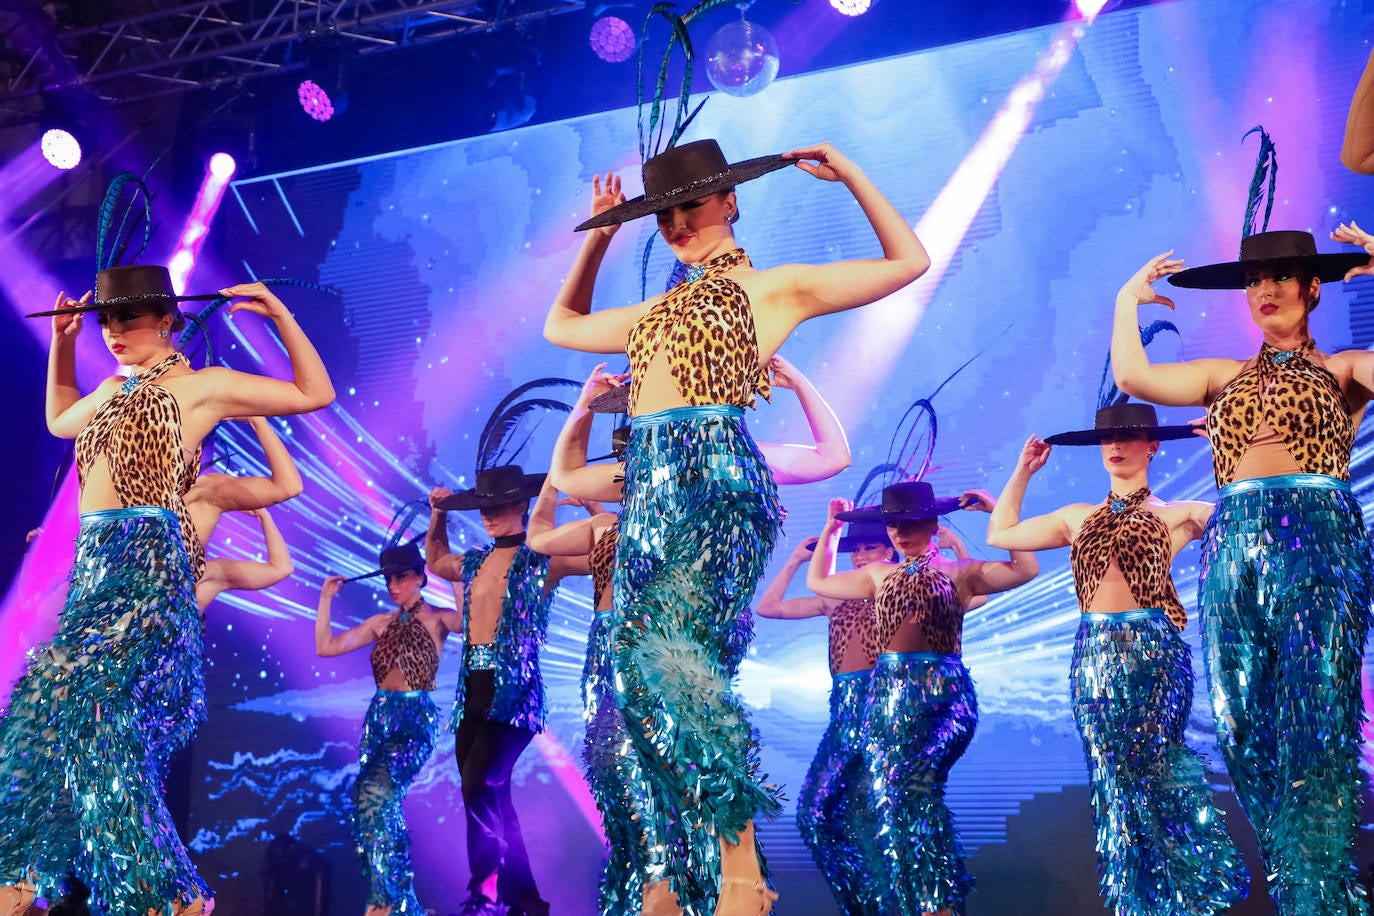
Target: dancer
[[402, 722], [1162, 848], [694, 544], [612, 768], [1285, 570], [127, 654], [921, 709], [214, 494], [222, 575], [505, 592]]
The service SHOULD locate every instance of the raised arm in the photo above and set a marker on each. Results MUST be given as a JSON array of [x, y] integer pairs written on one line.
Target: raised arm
[[821, 576], [793, 464], [441, 561], [1357, 152], [67, 411], [570, 322], [988, 577], [1005, 528], [545, 535], [248, 575], [244, 394], [772, 603], [569, 471], [230, 493], [327, 642], [1171, 384], [821, 289]]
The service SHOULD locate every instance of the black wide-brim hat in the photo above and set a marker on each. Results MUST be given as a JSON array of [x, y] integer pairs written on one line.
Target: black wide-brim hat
[[496, 487], [684, 173], [860, 534], [1267, 250], [399, 559], [1124, 418], [616, 400], [132, 284], [912, 500]]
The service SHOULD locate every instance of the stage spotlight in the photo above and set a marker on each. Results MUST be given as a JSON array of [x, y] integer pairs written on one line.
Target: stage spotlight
[[852, 7], [1091, 9], [223, 166], [612, 39], [314, 100], [61, 148]]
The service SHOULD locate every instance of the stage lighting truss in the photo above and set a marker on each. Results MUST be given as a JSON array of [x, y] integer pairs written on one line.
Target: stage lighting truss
[[207, 44]]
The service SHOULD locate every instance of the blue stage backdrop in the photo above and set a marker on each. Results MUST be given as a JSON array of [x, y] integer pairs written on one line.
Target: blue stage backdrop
[[1042, 169]]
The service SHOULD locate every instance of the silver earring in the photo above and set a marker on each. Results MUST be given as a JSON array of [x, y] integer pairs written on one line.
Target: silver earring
[[1152, 454], [161, 333]]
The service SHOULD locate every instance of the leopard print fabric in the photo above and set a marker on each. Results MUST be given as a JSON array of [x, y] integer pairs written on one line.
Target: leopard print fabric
[[918, 590], [708, 330], [1137, 541], [407, 645], [1300, 400], [602, 560], [850, 621], [138, 431]]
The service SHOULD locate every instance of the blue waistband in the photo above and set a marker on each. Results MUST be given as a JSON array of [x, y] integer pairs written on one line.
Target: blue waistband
[[480, 657], [892, 658], [118, 515], [675, 414], [1284, 482], [852, 675], [1144, 613], [402, 694], [603, 615]]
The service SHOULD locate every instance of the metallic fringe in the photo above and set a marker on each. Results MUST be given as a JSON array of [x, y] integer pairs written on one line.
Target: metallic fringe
[[398, 737], [920, 717], [80, 790], [616, 779], [1285, 590], [699, 521], [833, 806], [1162, 847]]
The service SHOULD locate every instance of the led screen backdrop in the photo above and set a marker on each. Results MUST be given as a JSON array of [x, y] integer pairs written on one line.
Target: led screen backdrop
[[1042, 169]]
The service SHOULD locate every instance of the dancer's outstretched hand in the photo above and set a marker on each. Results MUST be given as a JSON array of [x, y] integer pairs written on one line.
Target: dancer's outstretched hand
[[1033, 456], [836, 507], [331, 586], [257, 298], [606, 194], [1141, 286], [438, 495], [826, 162], [68, 325], [977, 501], [1352, 234]]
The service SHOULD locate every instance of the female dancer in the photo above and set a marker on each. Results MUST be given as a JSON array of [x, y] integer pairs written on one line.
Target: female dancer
[[694, 544], [128, 648], [402, 722], [1285, 578], [613, 774], [1162, 848], [214, 494], [223, 575], [921, 709]]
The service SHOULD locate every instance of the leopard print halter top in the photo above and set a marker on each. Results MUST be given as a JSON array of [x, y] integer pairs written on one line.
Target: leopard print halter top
[[1124, 532], [853, 621], [1299, 400], [407, 645], [602, 560], [919, 591], [706, 329], [138, 431]]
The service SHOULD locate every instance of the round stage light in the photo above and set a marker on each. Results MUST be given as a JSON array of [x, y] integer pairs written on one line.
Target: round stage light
[[742, 58], [851, 7], [314, 100], [60, 148], [612, 39], [222, 165]]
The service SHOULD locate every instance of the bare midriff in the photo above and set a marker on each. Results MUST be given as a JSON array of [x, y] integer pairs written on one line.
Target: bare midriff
[[1265, 456], [1113, 595]]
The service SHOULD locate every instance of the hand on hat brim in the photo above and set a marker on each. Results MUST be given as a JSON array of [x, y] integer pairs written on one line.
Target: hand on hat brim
[[1351, 234]]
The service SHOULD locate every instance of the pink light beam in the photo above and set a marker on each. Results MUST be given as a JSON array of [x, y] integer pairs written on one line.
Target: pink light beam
[[220, 169]]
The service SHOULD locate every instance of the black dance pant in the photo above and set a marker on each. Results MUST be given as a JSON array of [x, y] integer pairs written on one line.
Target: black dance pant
[[486, 753]]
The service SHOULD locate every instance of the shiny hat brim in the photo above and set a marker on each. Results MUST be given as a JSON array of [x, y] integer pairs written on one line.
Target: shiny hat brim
[[641, 206], [464, 500], [942, 506], [617, 400], [1097, 436], [1231, 274], [101, 305]]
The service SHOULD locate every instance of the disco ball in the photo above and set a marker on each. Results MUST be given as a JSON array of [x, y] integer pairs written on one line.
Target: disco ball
[[742, 58], [612, 39]]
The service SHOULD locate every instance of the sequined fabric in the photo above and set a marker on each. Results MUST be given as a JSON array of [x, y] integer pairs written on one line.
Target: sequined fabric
[[919, 719], [699, 521], [1125, 533], [80, 791], [407, 645], [1284, 604], [1298, 399], [705, 329], [138, 432], [524, 625], [398, 736], [833, 806], [1162, 847]]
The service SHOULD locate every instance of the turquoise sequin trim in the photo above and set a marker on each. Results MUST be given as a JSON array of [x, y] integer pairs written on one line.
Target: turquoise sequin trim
[[480, 658]]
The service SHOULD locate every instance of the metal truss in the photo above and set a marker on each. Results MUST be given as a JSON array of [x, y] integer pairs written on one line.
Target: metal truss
[[207, 44]]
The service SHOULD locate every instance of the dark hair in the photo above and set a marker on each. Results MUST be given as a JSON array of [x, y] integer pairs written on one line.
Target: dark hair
[[158, 307]]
